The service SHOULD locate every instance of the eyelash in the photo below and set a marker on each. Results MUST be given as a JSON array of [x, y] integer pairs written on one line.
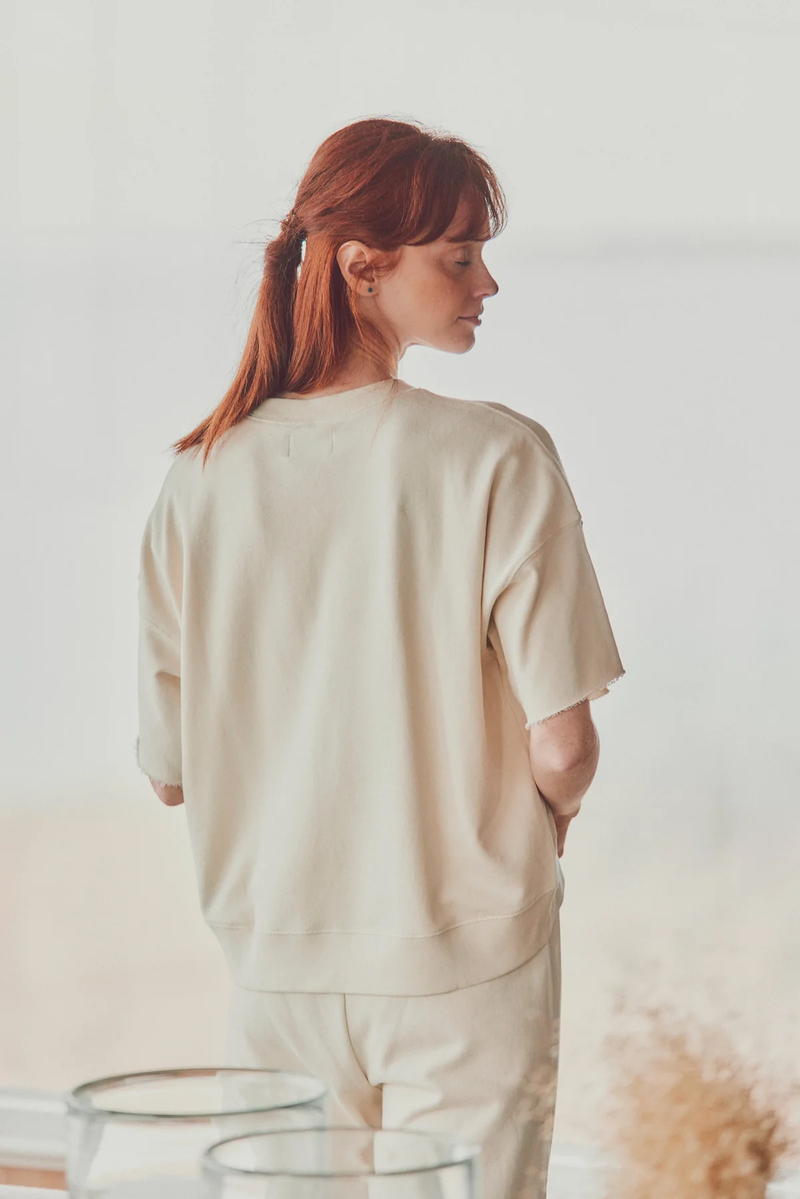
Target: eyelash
[[462, 264]]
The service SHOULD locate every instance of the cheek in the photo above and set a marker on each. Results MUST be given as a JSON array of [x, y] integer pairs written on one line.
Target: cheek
[[426, 304], [446, 297], [429, 296]]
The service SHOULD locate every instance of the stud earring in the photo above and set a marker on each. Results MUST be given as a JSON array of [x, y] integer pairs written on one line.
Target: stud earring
[[369, 289]]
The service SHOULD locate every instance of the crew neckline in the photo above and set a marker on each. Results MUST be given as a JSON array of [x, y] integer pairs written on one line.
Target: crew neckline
[[288, 409]]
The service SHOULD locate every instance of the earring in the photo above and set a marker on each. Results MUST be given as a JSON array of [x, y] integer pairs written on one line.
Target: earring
[[369, 289]]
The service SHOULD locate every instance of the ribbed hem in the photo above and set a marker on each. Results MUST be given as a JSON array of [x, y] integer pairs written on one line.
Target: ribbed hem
[[374, 964]]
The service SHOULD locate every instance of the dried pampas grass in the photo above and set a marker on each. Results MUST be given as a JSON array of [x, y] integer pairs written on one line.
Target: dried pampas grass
[[689, 1118]]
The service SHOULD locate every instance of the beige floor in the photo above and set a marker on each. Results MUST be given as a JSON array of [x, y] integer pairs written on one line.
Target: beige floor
[[107, 966]]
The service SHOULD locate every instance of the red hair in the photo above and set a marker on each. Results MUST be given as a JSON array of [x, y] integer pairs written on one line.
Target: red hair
[[383, 182]]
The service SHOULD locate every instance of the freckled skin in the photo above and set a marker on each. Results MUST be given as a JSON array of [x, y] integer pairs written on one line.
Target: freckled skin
[[433, 287], [422, 301]]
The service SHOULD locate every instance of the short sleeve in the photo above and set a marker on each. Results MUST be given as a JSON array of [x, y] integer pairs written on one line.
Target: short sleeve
[[158, 744], [550, 627]]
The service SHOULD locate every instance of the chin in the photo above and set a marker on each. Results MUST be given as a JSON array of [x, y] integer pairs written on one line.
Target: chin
[[458, 345], [465, 343], [450, 343]]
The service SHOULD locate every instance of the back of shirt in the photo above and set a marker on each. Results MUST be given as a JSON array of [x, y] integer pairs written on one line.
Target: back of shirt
[[349, 619]]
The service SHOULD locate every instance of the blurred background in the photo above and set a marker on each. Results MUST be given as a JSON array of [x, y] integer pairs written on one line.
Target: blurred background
[[647, 315]]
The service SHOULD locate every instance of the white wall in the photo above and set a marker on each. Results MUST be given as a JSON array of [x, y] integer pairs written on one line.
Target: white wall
[[631, 118]]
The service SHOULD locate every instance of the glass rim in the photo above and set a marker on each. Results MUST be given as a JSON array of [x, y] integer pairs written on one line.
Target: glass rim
[[78, 1099], [473, 1153]]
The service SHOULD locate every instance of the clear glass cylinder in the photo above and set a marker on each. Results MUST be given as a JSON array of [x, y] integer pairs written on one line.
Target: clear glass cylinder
[[143, 1135], [343, 1163]]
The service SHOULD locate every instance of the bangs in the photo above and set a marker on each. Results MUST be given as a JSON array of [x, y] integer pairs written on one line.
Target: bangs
[[476, 224], [447, 176]]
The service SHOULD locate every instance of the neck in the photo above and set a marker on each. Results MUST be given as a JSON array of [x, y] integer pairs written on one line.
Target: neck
[[356, 371]]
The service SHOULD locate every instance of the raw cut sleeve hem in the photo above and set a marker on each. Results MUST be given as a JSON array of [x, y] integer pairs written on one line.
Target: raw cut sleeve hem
[[596, 694], [159, 773]]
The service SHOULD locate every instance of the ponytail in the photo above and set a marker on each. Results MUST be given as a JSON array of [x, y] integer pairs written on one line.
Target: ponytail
[[383, 182]]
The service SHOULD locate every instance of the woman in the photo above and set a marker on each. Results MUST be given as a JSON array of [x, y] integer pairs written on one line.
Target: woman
[[370, 631]]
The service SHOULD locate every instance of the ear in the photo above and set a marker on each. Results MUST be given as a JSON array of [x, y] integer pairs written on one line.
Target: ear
[[356, 264]]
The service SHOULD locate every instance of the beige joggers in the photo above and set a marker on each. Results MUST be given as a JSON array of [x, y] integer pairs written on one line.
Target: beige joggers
[[480, 1061]]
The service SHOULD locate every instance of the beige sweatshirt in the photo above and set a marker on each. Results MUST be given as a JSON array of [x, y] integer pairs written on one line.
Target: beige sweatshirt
[[349, 620]]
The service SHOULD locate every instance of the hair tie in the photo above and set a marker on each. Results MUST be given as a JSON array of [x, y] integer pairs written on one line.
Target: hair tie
[[291, 225]]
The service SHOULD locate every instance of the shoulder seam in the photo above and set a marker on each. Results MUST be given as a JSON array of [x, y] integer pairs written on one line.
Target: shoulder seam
[[578, 521]]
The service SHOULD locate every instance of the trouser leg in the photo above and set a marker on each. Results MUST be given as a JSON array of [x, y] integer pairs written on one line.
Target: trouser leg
[[480, 1062], [302, 1031]]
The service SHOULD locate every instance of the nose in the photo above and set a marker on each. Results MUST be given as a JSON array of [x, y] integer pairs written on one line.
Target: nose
[[488, 286]]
